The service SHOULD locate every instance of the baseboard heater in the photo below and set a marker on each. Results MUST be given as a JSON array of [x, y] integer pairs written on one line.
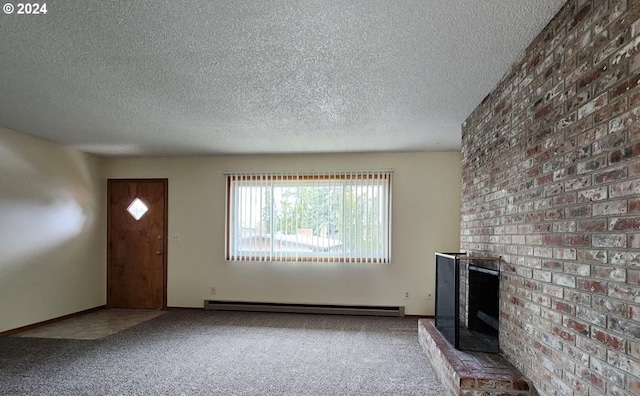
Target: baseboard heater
[[370, 310]]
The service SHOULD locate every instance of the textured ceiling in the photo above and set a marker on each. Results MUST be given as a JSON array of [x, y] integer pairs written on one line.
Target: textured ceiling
[[159, 77]]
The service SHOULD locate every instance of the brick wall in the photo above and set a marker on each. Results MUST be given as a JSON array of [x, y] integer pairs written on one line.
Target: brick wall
[[551, 183]]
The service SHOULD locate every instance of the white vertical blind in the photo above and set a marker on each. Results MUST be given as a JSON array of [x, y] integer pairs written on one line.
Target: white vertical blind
[[309, 216]]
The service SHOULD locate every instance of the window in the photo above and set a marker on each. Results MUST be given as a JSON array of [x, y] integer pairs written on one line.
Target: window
[[137, 209], [328, 217]]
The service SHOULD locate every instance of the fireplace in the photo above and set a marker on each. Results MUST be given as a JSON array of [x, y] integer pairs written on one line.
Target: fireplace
[[467, 301]]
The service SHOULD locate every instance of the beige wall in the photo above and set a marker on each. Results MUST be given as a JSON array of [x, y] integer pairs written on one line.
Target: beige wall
[[52, 230], [426, 217]]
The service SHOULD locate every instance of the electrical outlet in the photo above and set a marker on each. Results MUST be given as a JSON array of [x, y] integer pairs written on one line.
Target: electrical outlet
[[213, 290], [407, 295], [429, 295], [175, 237]]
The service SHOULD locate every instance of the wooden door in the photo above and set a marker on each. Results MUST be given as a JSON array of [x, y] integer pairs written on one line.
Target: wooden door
[[136, 258]]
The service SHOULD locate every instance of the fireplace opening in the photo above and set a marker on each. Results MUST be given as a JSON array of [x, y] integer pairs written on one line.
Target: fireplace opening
[[468, 301], [483, 307]]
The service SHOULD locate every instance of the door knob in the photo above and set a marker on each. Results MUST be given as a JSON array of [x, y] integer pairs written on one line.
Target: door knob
[[159, 252]]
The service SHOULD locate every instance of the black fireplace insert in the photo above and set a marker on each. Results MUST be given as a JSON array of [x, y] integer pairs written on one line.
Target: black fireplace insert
[[468, 301]]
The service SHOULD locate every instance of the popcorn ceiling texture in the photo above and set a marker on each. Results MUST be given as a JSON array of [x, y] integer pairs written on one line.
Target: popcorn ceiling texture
[[207, 77], [551, 183]]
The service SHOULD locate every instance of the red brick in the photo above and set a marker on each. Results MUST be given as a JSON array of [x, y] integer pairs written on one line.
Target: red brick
[[634, 99], [576, 384], [608, 339], [611, 110], [592, 255], [624, 153], [580, 327], [633, 277], [564, 307], [591, 378], [634, 386], [594, 225], [554, 214], [534, 217], [534, 172], [558, 331], [581, 15], [543, 111], [592, 286], [634, 132], [544, 227], [610, 175], [552, 265], [624, 87], [592, 76], [634, 167], [624, 224], [578, 211], [552, 239], [542, 180]]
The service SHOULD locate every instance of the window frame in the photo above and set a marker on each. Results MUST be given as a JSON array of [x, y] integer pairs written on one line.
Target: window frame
[[272, 179]]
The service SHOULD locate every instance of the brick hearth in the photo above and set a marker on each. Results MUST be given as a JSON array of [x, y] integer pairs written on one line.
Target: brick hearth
[[467, 373]]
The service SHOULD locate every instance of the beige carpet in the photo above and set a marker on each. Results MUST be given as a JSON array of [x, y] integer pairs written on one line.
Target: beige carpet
[[208, 353], [92, 326]]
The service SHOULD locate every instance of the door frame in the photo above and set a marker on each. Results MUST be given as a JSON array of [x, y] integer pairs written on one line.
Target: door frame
[[164, 231]]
